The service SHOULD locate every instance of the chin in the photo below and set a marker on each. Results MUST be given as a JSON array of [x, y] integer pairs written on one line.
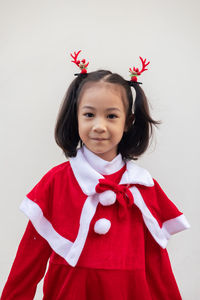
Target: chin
[[97, 150]]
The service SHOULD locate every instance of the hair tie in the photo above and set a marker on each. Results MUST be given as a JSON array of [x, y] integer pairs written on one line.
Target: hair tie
[[81, 75], [81, 64], [133, 83]]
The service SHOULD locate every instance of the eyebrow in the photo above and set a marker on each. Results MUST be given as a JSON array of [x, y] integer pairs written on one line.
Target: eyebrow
[[110, 108]]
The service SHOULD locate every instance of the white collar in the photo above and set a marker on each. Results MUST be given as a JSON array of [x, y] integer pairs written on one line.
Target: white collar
[[88, 177], [103, 166]]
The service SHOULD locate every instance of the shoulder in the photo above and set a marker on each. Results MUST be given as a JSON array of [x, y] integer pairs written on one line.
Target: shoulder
[[56, 171], [54, 174], [142, 177], [139, 175], [154, 195]]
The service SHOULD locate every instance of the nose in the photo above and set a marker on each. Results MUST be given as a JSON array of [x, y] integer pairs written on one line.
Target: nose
[[99, 126]]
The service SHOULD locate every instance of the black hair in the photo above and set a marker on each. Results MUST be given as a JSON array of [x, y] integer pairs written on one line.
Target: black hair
[[134, 141]]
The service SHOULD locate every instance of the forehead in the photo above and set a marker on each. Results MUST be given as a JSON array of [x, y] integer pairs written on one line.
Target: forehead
[[107, 93]]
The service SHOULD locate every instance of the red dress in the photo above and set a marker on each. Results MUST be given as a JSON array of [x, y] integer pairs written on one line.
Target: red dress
[[125, 263]]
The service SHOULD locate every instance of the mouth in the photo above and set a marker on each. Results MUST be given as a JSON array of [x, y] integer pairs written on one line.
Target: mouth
[[99, 139]]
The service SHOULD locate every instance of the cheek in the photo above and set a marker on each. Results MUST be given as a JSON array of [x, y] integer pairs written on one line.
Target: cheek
[[117, 132], [80, 121], [83, 126]]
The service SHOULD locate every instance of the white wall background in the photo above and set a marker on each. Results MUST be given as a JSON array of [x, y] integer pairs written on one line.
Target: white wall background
[[36, 39]]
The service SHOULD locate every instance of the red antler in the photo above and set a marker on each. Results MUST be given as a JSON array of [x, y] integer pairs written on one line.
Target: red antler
[[135, 72], [82, 65], [77, 62], [144, 64]]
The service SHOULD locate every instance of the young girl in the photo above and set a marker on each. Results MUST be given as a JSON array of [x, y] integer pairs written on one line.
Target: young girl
[[100, 220]]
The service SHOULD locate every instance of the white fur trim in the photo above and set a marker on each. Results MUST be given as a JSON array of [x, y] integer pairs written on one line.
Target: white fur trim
[[175, 225], [102, 226], [161, 235], [88, 177], [68, 250], [88, 211], [58, 243], [136, 175], [107, 198]]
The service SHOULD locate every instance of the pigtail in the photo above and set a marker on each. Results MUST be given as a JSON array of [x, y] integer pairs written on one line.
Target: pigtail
[[66, 129], [143, 124], [137, 138]]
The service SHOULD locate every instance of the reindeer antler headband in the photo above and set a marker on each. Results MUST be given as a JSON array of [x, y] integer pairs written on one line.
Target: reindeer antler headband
[[135, 72]]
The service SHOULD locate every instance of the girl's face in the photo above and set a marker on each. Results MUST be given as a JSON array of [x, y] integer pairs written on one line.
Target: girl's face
[[101, 115]]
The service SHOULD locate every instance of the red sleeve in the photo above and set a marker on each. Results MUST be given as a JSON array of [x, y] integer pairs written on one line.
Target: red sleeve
[[161, 207], [29, 266]]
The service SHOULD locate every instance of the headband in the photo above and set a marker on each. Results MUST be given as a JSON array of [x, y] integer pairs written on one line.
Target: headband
[[134, 73]]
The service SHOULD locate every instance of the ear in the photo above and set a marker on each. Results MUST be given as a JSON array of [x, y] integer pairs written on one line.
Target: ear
[[129, 122]]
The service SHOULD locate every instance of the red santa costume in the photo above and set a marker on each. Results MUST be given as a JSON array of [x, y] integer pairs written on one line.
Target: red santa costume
[[105, 226]]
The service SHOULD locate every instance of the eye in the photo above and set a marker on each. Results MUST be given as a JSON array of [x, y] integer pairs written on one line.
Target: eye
[[88, 115], [112, 116]]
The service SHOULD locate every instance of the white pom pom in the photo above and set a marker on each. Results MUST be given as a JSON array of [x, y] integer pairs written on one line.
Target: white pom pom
[[107, 198], [102, 226]]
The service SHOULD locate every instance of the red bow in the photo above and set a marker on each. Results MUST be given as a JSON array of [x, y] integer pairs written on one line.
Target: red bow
[[123, 194]]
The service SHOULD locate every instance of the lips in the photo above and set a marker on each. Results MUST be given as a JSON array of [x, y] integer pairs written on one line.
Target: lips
[[98, 139]]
